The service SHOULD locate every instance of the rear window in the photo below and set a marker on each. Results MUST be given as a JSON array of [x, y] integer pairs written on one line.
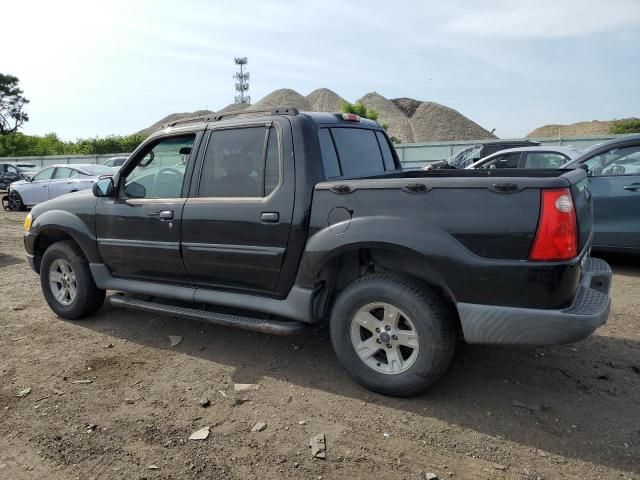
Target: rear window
[[354, 151]]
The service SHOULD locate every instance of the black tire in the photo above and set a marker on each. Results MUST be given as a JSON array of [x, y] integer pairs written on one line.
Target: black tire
[[15, 202], [88, 298], [430, 316]]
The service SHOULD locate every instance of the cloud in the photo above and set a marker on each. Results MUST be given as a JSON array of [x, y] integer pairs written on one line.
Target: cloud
[[545, 18]]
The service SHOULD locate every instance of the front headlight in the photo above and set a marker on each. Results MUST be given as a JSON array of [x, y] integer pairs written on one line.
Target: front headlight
[[27, 222]]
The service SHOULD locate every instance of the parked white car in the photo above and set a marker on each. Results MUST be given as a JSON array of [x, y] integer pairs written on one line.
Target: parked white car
[[52, 182]]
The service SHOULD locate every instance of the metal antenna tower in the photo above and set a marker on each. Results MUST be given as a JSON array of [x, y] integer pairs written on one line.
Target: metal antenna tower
[[242, 84]]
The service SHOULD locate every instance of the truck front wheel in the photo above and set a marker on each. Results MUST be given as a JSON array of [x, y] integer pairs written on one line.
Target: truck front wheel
[[392, 334], [67, 283]]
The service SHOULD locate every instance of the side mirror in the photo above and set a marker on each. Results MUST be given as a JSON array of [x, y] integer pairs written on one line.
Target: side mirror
[[104, 187], [585, 167]]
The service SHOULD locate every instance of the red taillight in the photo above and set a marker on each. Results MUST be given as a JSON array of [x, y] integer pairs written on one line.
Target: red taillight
[[350, 117], [557, 235]]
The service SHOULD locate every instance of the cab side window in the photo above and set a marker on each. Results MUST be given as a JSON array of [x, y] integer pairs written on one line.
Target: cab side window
[[241, 162], [615, 162], [508, 160], [160, 171]]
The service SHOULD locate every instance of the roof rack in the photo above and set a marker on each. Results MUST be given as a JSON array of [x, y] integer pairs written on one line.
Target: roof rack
[[220, 116]]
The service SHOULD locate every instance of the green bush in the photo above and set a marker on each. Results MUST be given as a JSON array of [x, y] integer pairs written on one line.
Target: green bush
[[20, 145], [359, 109], [629, 125]]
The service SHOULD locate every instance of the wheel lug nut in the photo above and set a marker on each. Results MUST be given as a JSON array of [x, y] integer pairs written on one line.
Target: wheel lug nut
[[377, 330], [395, 337], [387, 328], [378, 340], [388, 345]]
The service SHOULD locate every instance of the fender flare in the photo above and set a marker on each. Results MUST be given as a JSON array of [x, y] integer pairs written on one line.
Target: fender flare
[[435, 249], [71, 225]]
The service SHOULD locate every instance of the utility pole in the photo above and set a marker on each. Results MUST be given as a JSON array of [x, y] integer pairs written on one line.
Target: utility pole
[[242, 84]]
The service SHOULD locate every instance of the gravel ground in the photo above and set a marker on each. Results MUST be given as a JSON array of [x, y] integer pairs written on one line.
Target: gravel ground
[[570, 412]]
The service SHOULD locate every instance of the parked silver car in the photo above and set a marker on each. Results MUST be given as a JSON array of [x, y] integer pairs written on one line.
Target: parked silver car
[[53, 181], [115, 161], [543, 156]]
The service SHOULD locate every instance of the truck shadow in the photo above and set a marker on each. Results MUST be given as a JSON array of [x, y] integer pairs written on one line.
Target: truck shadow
[[545, 398], [622, 264]]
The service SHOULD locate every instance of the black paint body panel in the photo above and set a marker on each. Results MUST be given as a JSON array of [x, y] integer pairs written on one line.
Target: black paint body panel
[[456, 229]]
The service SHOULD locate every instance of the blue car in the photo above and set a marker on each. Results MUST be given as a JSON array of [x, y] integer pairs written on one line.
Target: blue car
[[614, 177]]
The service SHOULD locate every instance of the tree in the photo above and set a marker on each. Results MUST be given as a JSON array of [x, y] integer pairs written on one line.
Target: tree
[[361, 110], [11, 104]]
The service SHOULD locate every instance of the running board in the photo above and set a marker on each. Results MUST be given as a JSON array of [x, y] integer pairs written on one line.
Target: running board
[[248, 323]]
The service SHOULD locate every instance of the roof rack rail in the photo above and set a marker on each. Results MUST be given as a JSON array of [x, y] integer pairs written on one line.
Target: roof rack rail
[[220, 116]]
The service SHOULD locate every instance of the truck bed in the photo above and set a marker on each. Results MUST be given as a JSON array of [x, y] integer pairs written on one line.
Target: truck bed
[[475, 227]]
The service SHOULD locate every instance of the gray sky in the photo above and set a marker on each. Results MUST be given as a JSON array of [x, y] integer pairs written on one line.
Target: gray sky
[[114, 67]]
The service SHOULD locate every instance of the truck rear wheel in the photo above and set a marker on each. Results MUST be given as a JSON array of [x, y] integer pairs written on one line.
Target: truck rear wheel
[[393, 335], [67, 283]]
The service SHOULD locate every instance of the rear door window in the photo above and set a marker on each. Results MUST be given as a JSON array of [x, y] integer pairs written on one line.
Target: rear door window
[[62, 172], [545, 160], [241, 162]]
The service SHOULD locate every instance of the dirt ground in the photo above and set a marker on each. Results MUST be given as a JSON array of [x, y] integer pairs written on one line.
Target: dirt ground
[[570, 412]]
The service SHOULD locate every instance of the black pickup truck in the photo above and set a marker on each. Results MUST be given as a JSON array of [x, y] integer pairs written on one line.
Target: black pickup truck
[[279, 219]]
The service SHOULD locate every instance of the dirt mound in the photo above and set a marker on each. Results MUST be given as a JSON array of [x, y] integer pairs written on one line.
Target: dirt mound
[[233, 107], [432, 122], [172, 118], [284, 97], [407, 105], [595, 127], [325, 100], [389, 114]]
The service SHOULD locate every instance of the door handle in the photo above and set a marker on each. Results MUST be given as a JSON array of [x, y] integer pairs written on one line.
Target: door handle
[[270, 217], [166, 215], [633, 187], [162, 215]]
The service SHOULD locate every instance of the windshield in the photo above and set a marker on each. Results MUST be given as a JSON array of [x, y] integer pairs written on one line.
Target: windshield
[[465, 157]]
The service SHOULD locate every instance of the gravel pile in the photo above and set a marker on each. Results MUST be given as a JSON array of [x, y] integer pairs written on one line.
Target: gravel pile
[[172, 118], [324, 100], [595, 127], [432, 122], [397, 122], [233, 107], [407, 119], [285, 97]]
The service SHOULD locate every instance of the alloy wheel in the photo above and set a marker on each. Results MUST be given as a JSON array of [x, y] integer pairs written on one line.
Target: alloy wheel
[[384, 338]]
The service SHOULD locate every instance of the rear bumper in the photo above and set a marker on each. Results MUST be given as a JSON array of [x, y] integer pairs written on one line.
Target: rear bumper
[[531, 326]]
